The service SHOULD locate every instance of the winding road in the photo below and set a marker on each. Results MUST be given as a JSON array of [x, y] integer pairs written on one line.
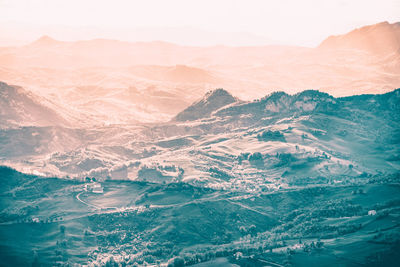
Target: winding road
[[91, 205]]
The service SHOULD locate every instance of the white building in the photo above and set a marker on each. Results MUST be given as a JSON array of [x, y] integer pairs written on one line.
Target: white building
[[94, 188], [372, 212]]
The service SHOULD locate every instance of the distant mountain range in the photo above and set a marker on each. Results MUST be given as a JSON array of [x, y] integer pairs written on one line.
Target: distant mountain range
[[382, 39], [365, 60]]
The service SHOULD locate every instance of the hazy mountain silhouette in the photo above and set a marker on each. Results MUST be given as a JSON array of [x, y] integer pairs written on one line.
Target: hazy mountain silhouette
[[379, 39]]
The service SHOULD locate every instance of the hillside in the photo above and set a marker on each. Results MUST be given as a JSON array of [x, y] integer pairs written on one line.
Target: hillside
[[222, 142], [288, 178], [19, 107]]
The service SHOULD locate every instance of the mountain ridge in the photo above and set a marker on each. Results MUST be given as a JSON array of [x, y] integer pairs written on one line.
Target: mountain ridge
[[304, 101], [46, 39]]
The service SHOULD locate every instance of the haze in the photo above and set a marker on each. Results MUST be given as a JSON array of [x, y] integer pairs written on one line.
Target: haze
[[208, 22]]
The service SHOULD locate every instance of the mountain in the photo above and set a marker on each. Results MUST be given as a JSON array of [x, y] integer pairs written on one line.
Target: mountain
[[47, 52], [45, 41], [281, 133], [203, 108], [179, 74], [185, 74], [286, 179], [278, 103], [378, 39], [19, 107]]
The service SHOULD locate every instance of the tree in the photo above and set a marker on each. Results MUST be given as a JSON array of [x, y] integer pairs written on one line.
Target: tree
[[271, 136], [176, 262], [243, 230], [252, 230], [111, 262], [319, 244], [35, 259]]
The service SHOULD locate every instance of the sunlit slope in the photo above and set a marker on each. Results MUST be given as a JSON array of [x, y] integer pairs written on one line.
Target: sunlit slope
[[279, 140], [19, 107]]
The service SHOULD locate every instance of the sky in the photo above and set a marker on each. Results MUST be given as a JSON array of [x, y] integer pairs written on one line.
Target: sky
[[189, 22]]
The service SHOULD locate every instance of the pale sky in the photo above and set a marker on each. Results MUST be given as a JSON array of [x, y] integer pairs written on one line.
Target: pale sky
[[203, 22]]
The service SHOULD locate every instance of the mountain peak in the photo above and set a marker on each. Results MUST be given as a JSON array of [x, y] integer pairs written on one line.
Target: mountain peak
[[45, 40], [219, 92], [212, 101], [274, 96], [315, 94]]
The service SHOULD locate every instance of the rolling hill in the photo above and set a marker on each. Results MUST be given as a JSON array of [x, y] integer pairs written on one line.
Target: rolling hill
[[19, 107]]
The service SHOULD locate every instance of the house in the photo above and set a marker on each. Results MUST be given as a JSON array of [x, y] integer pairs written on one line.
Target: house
[[94, 188], [97, 188], [372, 212]]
